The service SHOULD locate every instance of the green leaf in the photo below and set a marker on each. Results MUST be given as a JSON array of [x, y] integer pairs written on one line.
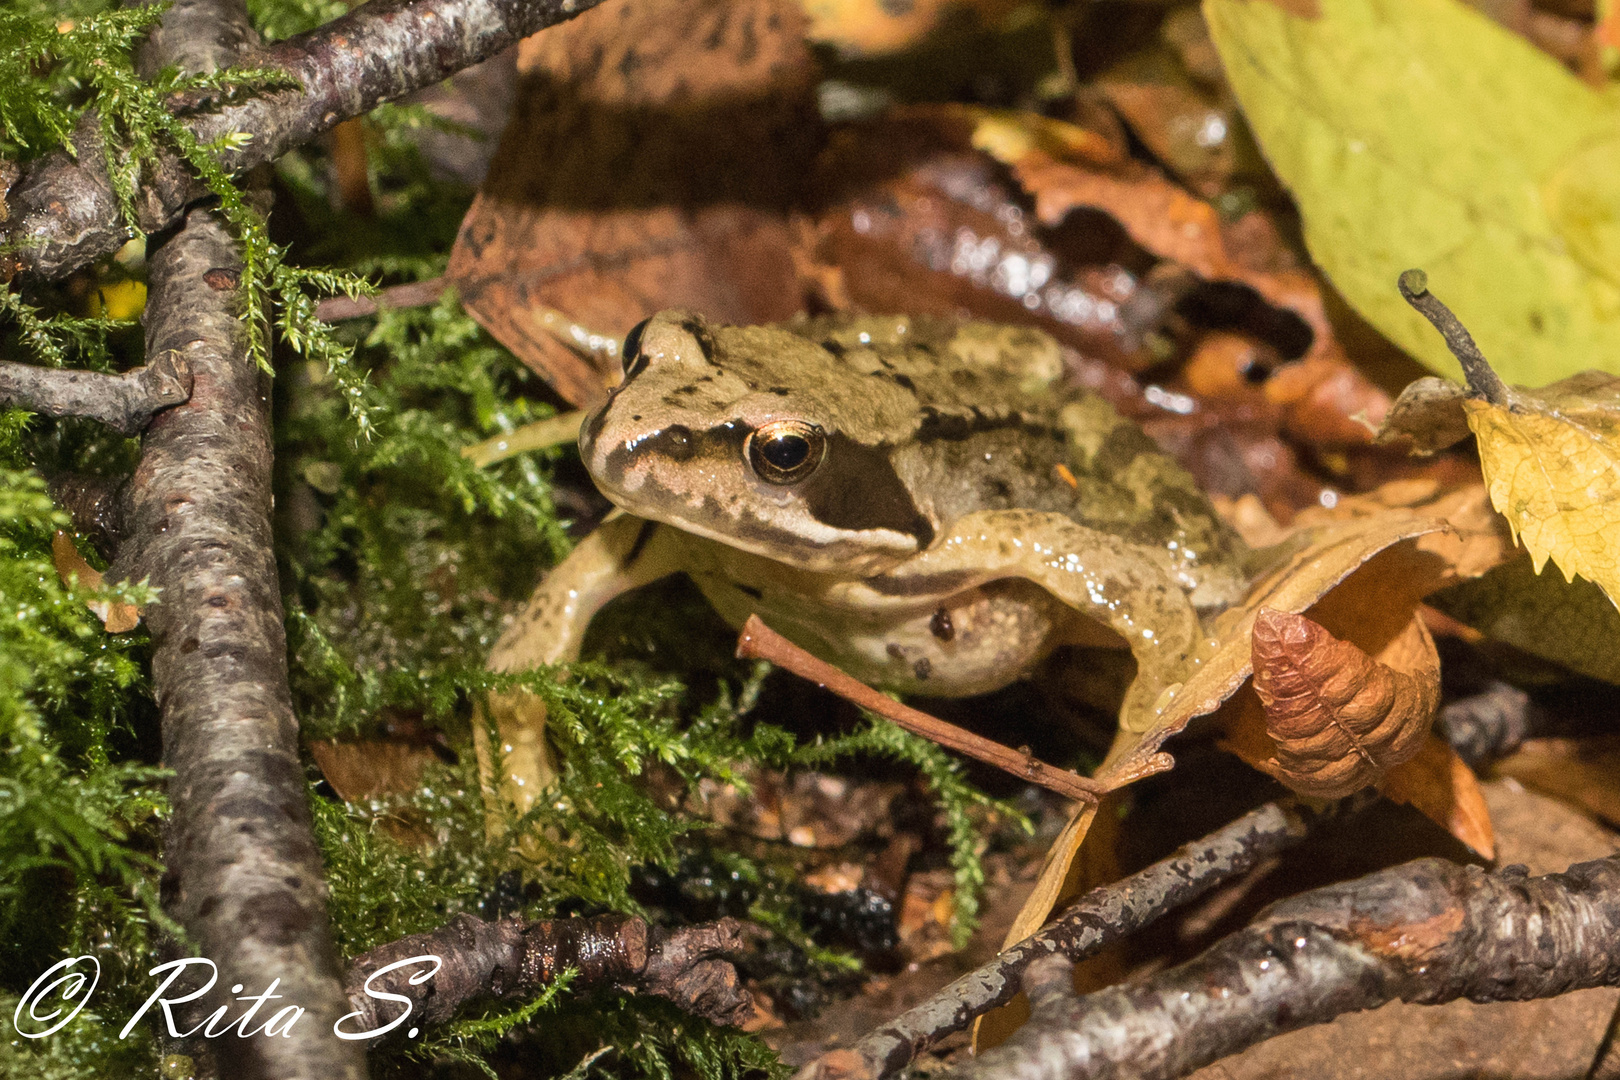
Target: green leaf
[[1420, 133]]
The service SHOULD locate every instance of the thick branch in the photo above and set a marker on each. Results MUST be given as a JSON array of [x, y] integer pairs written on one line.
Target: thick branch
[[1427, 932], [1098, 919], [243, 874], [63, 212], [126, 402], [510, 957]]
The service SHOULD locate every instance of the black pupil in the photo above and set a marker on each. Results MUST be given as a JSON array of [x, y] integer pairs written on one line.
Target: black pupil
[[786, 452]]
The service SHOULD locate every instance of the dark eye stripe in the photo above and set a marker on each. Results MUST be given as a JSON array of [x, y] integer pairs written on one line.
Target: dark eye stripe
[[857, 488]]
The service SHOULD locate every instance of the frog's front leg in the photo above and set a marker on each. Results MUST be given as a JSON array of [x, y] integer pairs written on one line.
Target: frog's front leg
[[1125, 586], [622, 554]]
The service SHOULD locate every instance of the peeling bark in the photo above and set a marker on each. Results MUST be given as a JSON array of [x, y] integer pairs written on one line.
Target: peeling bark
[[124, 402], [1101, 917], [62, 210], [1428, 932], [243, 876], [509, 957]]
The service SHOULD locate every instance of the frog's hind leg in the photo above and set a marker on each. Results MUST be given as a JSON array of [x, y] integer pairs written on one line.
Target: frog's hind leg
[[622, 554], [1125, 586]]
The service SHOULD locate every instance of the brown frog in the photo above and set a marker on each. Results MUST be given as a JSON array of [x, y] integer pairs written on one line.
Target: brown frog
[[923, 503]]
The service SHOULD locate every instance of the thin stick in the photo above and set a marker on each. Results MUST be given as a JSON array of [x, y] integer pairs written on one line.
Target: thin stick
[[1101, 917], [124, 402], [760, 642], [64, 211], [412, 294], [508, 957], [1482, 379], [541, 435]]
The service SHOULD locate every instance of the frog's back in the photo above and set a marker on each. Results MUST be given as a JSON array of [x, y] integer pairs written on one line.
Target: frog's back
[[997, 428]]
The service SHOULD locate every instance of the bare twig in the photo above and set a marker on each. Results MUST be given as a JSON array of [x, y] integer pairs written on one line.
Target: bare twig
[[481, 959], [760, 642], [1426, 932], [1489, 724], [413, 294], [63, 212], [1482, 378], [1101, 917], [125, 402], [243, 874]]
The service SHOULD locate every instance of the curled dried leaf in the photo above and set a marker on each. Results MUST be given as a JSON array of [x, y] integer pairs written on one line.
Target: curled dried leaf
[[365, 770], [1340, 718]]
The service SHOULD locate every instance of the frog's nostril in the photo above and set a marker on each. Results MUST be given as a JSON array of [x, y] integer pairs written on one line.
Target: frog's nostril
[[633, 360], [674, 442]]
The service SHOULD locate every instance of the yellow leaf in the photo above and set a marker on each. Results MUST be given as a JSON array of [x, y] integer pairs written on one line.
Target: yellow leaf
[[118, 300], [1551, 459]]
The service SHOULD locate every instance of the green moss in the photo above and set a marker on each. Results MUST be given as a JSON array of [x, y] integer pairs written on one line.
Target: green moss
[[77, 825]]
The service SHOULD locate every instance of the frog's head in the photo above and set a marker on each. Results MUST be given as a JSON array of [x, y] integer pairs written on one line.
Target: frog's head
[[761, 439]]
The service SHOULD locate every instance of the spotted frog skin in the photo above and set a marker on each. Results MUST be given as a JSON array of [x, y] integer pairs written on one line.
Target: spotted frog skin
[[923, 503]]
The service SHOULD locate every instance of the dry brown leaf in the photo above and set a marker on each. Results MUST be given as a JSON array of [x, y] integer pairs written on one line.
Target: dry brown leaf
[[1583, 772], [1428, 416], [914, 220], [1178, 226], [1442, 787], [650, 163], [1434, 780], [1181, 123], [1339, 718], [1324, 399], [117, 617], [1478, 539], [365, 770]]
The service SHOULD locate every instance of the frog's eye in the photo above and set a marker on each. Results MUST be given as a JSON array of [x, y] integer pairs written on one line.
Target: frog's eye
[[633, 360], [785, 451]]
